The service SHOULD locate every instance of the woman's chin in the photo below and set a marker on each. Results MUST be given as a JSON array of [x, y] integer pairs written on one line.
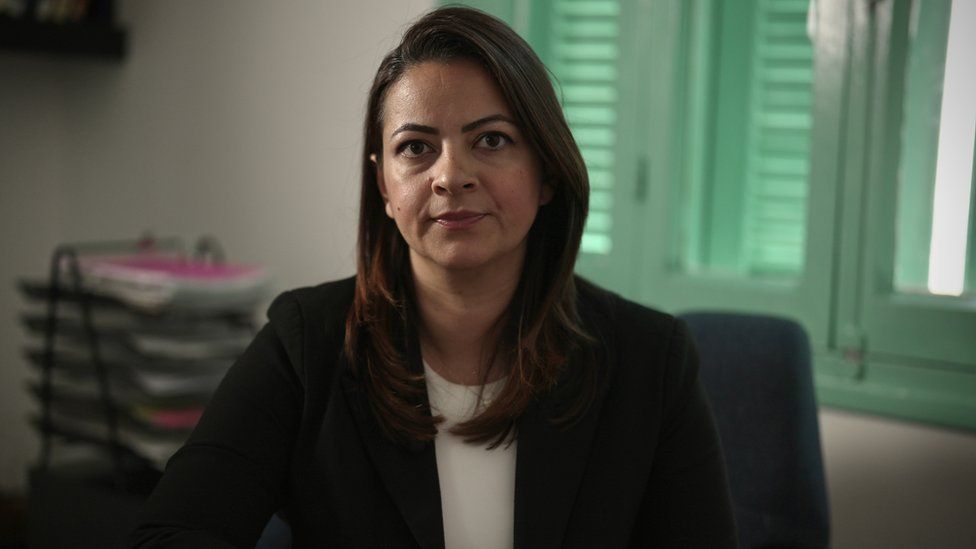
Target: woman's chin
[[464, 260]]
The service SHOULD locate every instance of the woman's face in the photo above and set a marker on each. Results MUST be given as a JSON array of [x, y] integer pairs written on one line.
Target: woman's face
[[458, 177]]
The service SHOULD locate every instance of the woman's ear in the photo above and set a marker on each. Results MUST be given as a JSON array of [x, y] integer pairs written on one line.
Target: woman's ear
[[545, 196], [381, 183]]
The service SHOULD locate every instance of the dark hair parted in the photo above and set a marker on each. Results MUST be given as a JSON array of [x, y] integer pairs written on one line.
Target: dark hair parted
[[542, 338]]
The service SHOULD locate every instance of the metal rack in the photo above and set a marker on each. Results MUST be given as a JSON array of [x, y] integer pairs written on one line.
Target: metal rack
[[66, 287]]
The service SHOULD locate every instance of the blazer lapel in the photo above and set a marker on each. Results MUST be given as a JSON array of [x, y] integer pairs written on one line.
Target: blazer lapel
[[548, 471], [410, 474]]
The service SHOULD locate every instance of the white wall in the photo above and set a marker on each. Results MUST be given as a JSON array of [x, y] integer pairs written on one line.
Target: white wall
[[32, 167], [237, 119]]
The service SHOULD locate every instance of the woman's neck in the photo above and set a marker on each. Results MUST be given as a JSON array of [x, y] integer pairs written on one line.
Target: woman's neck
[[461, 314]]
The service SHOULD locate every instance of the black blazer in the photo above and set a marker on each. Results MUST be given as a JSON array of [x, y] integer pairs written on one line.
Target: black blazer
[[290, 429]]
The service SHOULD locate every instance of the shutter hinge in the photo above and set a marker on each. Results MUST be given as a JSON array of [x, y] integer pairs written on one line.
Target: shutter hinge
[[853, 345]]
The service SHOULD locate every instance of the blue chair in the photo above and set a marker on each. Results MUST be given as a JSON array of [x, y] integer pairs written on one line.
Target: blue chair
[[756, 372], [276, 535]]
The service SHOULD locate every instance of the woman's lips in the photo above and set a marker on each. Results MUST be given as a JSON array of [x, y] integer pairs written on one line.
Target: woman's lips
[[458, 220]]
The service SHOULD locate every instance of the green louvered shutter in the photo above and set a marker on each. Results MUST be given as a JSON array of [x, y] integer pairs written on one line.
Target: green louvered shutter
[[778, 146], [584, 55]]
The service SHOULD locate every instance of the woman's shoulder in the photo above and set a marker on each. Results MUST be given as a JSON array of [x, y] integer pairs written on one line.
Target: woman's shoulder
[[643, 343], [313, 302], [301, 317]]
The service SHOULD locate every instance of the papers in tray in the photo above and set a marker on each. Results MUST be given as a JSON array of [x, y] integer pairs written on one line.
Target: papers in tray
[[195, 347], [133, 377], [155, 282], [108, 320], [152, 427], [163, 419], [180, 341]]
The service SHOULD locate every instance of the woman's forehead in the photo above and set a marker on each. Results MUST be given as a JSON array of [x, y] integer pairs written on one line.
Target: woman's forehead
[[443, 95]]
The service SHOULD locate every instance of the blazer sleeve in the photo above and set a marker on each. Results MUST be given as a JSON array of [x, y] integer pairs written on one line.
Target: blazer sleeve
[[686, 502], [222, 486]]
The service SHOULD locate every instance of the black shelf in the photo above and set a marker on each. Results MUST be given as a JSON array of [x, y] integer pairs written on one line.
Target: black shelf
[[84, 39]]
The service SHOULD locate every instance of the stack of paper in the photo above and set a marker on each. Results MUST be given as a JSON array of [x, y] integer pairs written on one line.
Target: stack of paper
[[156, 282]]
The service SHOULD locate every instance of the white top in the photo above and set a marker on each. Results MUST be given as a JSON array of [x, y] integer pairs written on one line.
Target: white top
[[477, 484]]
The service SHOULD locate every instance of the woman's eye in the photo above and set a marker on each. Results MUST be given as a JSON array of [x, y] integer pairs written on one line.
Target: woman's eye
[[494, 141], [413, 148]]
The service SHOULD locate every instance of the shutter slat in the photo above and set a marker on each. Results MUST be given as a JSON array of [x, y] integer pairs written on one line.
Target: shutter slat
[[599, 115], [601, 179], [593, 8], [797, 98], [590, 93], [585, 72], [597, 158], [782, 187], [599, 221], [600, 137], [789, 75], [587, 51], [582, 29], [790, 119], [595, 243]]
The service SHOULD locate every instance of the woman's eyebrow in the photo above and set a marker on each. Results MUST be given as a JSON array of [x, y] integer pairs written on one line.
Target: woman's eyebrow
[[482, 121], [412, 127]]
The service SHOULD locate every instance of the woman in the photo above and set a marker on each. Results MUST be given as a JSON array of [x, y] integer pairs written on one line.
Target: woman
[[464, 389]]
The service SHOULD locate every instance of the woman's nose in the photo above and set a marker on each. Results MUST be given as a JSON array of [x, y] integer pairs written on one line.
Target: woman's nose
[[452, 174]]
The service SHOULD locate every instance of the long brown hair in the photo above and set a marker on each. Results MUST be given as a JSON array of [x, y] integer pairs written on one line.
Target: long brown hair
[[542, 333]]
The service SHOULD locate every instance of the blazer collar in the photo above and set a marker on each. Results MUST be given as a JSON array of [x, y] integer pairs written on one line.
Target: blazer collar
[[550, 463]]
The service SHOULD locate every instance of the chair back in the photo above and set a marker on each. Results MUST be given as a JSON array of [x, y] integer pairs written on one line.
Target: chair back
[[756, 372]]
